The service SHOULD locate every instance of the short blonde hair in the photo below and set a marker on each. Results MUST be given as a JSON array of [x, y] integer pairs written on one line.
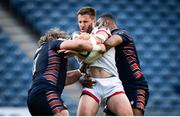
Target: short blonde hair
[[52, 34]]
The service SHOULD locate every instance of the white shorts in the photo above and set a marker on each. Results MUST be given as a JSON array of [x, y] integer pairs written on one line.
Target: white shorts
[[104, 89]]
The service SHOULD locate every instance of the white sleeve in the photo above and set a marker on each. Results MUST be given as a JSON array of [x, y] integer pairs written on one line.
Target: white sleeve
[[96, 33]]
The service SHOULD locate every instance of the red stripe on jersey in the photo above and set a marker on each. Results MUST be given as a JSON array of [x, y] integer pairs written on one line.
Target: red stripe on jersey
[[53, 66], [141, 98], [140, 105], [141, 92], [53, 59], [138, 74], [51, 78], [91, 95], [134, 66], [54, 75], [54, 72], [128, 52], [49, 92], [57, 109], [54, 103], [131, 59], [51, 52], [52, 96], [129, 46]]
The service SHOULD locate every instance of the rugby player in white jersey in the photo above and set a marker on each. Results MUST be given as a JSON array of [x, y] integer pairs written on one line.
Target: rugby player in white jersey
[[108, 85]]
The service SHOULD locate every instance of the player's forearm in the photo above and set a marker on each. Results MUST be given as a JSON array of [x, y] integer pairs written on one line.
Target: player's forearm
[[77, 45], [72, 76], [81, 45], [113, 41]]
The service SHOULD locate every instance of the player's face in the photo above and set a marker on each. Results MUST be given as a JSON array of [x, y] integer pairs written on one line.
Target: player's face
[[85, 23]]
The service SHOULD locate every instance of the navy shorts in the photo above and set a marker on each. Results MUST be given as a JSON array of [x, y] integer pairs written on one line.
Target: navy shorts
[[45, 103], [138, 99]]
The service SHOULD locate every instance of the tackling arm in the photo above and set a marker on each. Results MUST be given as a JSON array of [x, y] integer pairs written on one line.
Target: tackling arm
[[113, 41], [81, 45], [118, 37], [98, 35]]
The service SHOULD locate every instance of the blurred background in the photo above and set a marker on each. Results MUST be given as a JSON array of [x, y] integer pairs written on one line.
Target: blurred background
[[154, 24]]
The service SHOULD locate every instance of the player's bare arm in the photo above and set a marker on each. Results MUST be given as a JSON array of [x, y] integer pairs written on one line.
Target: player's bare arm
[[81, 45], [113, 41]]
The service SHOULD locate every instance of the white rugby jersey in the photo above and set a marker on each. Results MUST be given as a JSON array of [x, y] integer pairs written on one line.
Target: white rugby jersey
[[107, 62]]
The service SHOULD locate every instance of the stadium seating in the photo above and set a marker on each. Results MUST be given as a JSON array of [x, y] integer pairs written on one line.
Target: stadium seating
[[154, 25], [15, 73]]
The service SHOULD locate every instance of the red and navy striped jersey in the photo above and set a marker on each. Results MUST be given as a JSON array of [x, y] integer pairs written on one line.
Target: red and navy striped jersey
[[127, 62], [49, 67]]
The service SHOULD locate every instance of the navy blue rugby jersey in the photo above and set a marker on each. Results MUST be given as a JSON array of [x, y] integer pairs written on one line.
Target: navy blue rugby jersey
[[49, 67], [127, 62]]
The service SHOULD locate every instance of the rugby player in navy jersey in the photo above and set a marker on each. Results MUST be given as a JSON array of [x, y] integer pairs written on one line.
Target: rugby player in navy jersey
[[127, 62], [49, 73]]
